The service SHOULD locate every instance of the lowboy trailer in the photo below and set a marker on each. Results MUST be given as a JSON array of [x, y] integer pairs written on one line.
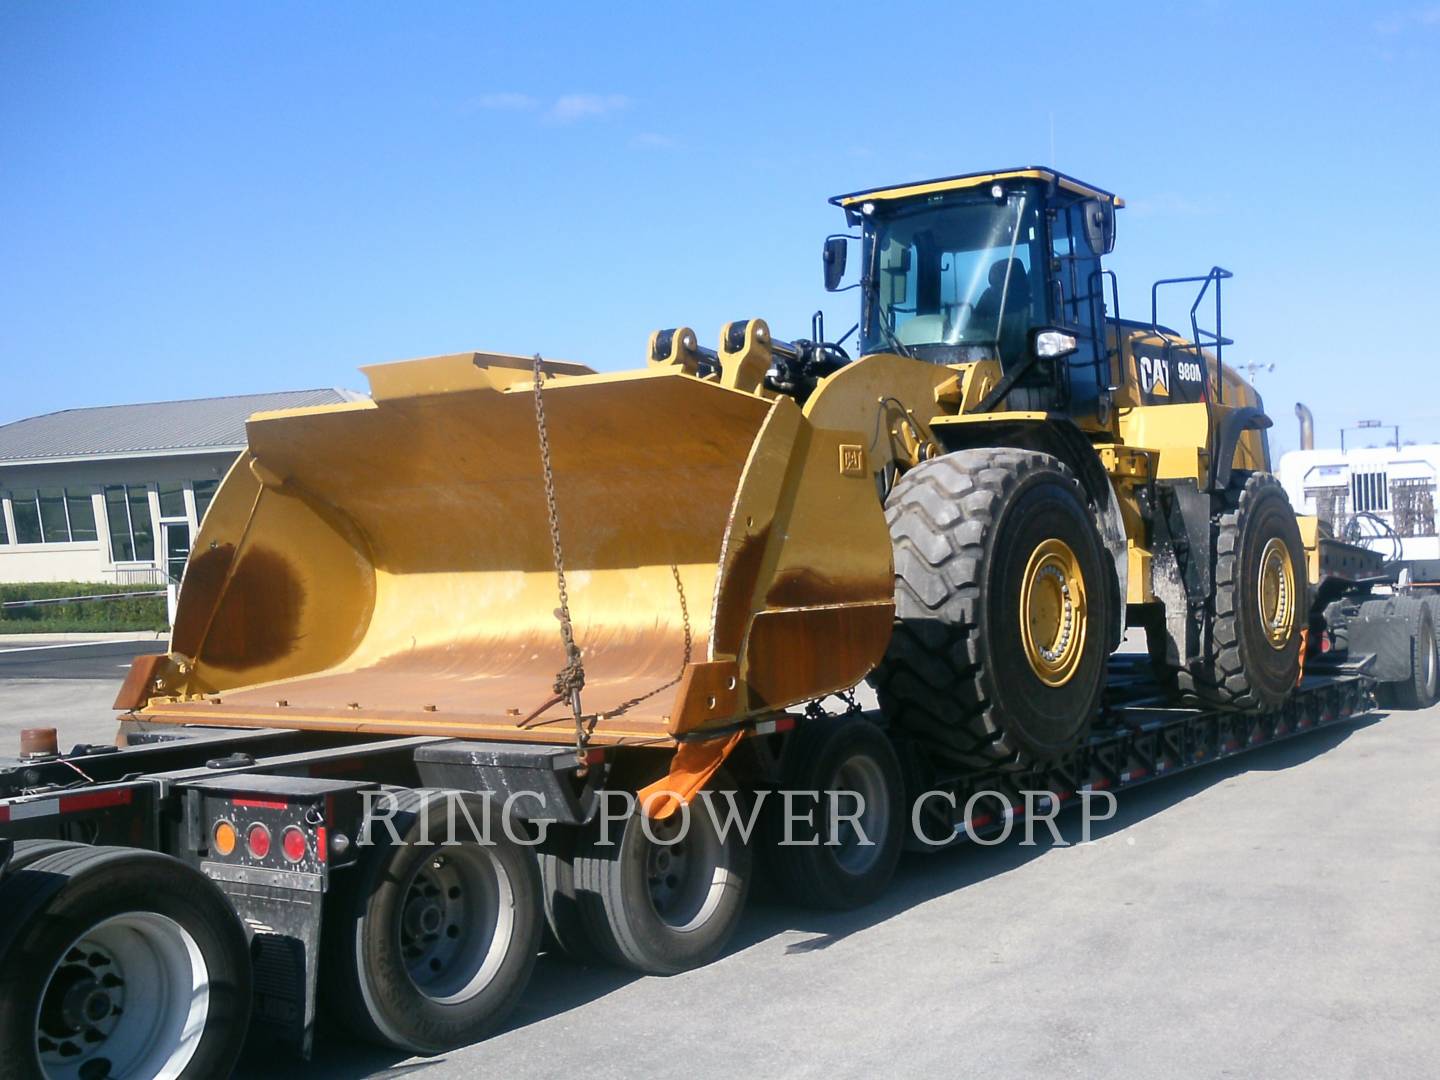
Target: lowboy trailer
[[165, 899]]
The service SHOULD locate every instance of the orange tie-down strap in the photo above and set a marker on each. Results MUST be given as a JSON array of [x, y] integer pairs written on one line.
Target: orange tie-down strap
[[691, 768]]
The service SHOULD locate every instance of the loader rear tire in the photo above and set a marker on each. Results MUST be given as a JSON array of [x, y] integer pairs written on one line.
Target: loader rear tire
[[980, 535], [1252, 649]]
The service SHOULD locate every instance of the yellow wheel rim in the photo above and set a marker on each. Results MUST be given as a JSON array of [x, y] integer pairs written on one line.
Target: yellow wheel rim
[[1276, 594], [1053, 612]]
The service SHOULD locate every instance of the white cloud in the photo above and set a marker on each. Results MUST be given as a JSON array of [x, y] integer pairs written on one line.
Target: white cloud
[[503, 101], [1404, 20], [653, 140], [571, 107], [1168, 204]]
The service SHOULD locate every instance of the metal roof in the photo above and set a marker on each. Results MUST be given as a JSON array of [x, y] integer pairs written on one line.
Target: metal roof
[[969, 180], [155, 429]]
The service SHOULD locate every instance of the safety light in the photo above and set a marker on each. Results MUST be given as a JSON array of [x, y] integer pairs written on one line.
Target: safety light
[[258, 841], [292, 843], [1053, 344], [224, 838]]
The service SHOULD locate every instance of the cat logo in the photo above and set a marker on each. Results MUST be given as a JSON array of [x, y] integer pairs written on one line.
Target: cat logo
[[1154, 375]]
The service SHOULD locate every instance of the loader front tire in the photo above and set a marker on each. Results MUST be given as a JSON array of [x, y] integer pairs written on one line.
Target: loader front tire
[[998, 654], [1251, 658]]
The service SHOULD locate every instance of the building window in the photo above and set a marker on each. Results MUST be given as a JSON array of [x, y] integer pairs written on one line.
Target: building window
[[53, 516], [204, 492], [132, 534], [172, 500]]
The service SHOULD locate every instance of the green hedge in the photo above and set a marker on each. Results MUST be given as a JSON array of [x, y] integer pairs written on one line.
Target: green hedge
[[139, 613]]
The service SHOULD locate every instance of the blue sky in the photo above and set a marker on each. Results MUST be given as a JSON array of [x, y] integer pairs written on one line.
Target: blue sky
[[217, 198]]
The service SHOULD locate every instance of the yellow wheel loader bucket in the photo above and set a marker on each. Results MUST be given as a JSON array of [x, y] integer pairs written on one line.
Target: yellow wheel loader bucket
[[386, 565]]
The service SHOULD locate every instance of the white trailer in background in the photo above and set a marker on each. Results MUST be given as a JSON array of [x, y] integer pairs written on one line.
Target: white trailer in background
[[1381, 497]]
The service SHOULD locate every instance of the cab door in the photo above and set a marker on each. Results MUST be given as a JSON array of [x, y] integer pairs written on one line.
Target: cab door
[[1077, 305]]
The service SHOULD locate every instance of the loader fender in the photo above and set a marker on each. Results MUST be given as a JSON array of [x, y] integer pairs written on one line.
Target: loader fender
[[1060, 438]]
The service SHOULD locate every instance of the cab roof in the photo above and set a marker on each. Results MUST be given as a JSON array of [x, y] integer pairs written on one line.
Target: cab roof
[[970, 180]]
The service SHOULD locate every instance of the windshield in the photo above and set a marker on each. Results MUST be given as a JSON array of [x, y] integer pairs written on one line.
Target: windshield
[[955, 280]]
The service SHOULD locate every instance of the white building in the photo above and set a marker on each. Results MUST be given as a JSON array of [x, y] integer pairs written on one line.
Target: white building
[[115, 494]]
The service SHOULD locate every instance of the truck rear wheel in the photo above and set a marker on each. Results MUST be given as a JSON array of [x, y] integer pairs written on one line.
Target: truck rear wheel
[[851, 863], [430, 944], [1252, 650], [125, 964], [1001, 609], [1422, 688], [666, 907]]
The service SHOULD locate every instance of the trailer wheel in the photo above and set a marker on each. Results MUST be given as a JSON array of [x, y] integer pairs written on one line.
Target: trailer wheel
[[998, 654], [1252, 662], [123, 964], [830, 862], [1422, 688], [32, 851], [563, 918], [666, 907], [429, 944]]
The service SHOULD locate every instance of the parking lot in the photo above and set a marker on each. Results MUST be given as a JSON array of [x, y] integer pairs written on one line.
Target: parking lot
[[1269, 916]]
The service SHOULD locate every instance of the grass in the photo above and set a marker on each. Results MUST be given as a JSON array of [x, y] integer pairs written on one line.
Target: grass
[[98, 616]]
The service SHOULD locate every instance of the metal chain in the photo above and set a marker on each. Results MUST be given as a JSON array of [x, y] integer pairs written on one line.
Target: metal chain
[[570, 679]]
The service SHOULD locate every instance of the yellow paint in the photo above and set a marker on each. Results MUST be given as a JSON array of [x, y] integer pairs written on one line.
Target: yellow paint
[[961, 183]]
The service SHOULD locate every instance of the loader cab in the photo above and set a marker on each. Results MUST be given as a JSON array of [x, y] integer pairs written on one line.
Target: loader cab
[[976, 267]]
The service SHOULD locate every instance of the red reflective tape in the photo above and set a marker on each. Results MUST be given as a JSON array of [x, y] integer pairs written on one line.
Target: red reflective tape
[[1136, 774], [95, 800], [4, 814], [260, 804], [784, 723], [322, 843], [980, 822]]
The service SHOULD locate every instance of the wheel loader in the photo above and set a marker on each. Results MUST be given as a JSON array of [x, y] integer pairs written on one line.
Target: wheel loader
[[968, 513]]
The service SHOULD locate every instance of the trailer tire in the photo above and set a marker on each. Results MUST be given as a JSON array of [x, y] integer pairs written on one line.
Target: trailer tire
[[134, 946], [564, 922], [844, 754], [662, 909], [1422, 688], [1252, 649], [428, 947], [32, 851], [975, 532]]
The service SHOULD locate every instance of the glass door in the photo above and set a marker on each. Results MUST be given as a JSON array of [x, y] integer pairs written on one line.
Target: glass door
[[177, 549]]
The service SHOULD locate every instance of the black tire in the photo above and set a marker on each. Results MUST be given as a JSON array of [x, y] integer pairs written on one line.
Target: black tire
[[155, 932], [966, 528], [428, 947], [563, 919], [844, 754], [32, 851], [1241, 668], [1422, 688], [646, 909]]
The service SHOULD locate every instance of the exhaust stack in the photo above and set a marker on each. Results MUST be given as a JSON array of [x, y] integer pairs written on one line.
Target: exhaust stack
[[1307, 426]]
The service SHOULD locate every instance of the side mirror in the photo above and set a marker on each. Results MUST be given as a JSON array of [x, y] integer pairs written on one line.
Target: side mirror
[[1100, 225], [836, 250]]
